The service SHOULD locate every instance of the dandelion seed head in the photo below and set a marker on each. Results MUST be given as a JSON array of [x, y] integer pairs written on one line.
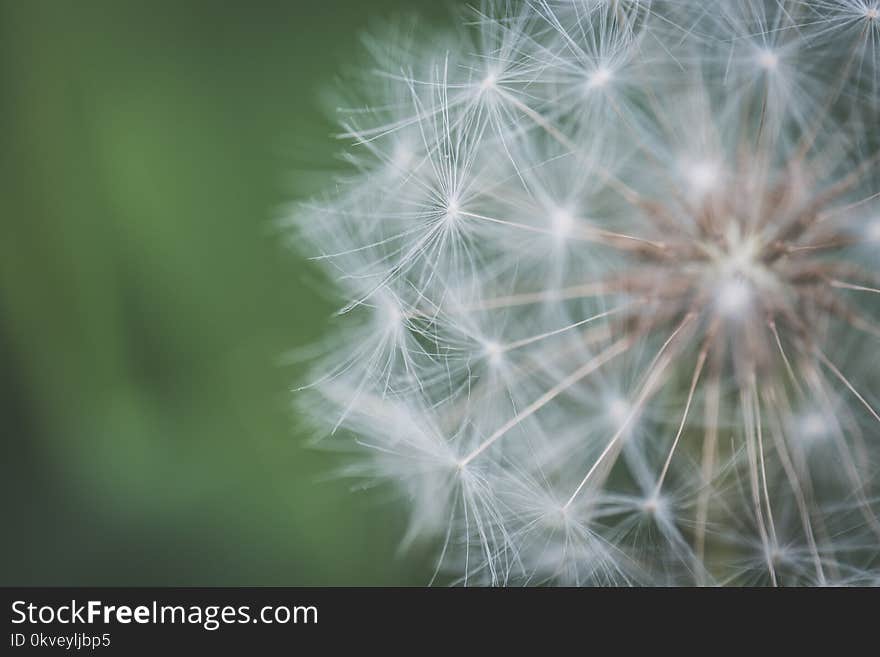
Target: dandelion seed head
[[734, 296], [614, 338]]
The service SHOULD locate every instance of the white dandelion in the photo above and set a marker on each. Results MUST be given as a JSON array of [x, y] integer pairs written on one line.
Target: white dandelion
[[610, 284]]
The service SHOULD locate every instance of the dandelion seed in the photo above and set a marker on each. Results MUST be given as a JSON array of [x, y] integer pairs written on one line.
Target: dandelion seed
[[494, 353], [562, 223], [768, 60], [702, 176], [488, 83], [618, 410], [599, 78], [812, 427]]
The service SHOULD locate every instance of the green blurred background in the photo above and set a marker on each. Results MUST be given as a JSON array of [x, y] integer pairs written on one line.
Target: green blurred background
[[148, 436]]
